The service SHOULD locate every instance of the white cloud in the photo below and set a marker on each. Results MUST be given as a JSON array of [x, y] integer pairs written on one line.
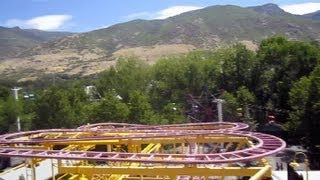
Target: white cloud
[[14, 22], [164, 13], [46, 23], [175, 10], [105, 26], [303, 8], [100, 27]]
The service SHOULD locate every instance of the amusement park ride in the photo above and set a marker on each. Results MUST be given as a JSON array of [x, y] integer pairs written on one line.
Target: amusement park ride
[[129, 151], [119, 151]]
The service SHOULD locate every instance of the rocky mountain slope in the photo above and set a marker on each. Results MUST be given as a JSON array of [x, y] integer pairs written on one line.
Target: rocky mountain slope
[[211, 27], [314, 15], [15, 40]]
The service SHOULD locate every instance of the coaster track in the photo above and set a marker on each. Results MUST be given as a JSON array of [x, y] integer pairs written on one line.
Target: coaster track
[[136, 146]]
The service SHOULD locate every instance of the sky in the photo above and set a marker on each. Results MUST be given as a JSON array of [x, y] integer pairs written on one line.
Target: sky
[[87, 15]]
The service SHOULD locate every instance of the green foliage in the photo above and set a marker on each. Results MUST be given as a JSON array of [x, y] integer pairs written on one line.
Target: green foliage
[[230, 107], [282, 62], [244, 96], [59, 107], [128, 75], [168, 81], [299, 95], [4, 93], [176, 77], [9, 110], [237, 63], [282, 74], [311, 123], [172, 113], [27, 114], [109, 109], [140, 108]]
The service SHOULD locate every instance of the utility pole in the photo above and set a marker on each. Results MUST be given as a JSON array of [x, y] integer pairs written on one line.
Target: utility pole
[[219, 107], [15, 94], [220, 117]]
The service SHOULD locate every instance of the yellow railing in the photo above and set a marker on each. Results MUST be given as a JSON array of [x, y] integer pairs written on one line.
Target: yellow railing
[[148, 149]]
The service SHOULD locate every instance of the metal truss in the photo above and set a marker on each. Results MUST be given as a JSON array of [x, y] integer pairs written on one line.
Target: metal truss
[[129, 151]]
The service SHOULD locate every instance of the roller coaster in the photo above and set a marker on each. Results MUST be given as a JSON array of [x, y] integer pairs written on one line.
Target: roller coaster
[[131, 151]]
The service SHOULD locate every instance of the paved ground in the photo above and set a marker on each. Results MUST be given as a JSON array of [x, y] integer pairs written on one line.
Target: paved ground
[[282, 175], [43, 171]]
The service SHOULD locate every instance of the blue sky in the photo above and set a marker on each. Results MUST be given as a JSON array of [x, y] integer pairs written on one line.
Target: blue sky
[[87, 15]]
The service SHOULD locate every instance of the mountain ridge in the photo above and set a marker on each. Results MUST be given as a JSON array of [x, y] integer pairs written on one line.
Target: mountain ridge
[[314, 15], [269, 9], [14, 40], [207, 28]]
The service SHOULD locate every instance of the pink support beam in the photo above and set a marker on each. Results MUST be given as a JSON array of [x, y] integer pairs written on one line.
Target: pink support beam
[[264, 144]]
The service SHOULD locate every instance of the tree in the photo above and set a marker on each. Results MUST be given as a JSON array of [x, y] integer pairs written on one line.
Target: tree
[[9, 110], [58, 107], [236, 65], [298, 99], [128, 75], [312, 113], [305, 104], [280, 64], [27, 114], [109, 109], [173, 113], [140, 108], [169, 80], [245, 98], [177, 77], [272, 57], [6, 108], [4, 92], [230, 107]]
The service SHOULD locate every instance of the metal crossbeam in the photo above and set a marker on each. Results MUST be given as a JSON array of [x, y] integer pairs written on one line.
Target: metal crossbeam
[[167, 171], [126, 151]]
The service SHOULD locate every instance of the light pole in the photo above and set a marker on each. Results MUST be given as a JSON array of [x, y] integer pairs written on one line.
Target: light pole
[[220, 115], [15, 94], [294, 163], [219, 107]]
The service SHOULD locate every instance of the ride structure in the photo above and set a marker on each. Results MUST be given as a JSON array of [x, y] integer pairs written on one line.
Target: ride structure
[[130, 151]]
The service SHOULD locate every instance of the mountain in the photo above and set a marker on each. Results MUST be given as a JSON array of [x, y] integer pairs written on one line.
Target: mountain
[[211, 27], [269, 9], [14, 40], [314, 15]]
